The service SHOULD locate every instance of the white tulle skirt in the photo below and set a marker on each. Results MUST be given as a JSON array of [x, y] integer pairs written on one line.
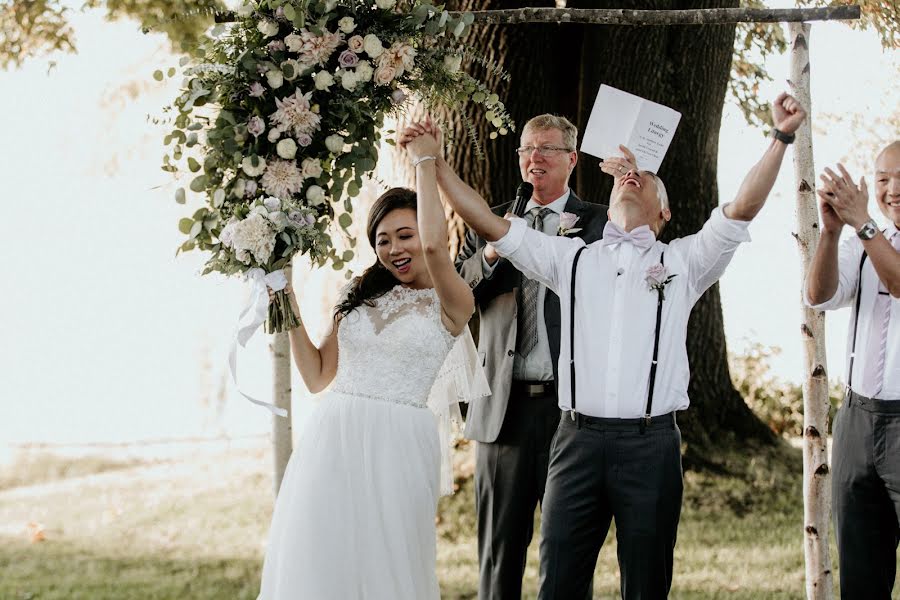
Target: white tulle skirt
[[355, 516]]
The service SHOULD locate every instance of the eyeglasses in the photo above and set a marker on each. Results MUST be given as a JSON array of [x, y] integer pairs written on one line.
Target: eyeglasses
[[542, 150]]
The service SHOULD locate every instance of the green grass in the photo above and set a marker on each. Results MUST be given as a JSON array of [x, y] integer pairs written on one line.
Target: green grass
[[195, 529]]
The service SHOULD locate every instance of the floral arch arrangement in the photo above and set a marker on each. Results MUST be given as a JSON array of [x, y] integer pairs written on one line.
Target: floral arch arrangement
[[279, 120]]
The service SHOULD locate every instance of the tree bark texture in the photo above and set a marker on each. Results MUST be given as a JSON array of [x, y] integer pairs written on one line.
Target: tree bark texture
[[816, 472]]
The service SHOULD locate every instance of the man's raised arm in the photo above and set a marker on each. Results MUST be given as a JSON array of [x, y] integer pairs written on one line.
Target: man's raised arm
[[788, 115]]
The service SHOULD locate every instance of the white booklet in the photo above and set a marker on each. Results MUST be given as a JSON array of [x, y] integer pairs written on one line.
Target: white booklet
[[644, 127]]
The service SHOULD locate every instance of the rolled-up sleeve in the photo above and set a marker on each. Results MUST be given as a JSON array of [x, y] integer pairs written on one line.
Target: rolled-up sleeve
[[537, 255], [849, 256], [711, 249]]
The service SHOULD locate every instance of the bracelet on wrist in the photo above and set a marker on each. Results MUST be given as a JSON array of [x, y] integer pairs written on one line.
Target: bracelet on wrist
[[422, 159]]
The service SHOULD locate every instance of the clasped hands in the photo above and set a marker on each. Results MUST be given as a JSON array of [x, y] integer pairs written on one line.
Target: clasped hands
[[842, 201]]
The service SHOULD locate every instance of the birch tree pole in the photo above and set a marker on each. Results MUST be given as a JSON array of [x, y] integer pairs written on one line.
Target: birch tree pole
[[816, 472], [282, 443]]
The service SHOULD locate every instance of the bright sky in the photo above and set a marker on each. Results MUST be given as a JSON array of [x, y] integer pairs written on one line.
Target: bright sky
[[108, 336]]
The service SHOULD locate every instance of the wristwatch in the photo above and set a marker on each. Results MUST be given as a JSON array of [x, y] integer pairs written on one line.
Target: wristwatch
[[867, 230], [786, 138]]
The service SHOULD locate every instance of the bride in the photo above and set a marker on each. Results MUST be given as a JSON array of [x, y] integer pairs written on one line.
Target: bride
[[355, 515]]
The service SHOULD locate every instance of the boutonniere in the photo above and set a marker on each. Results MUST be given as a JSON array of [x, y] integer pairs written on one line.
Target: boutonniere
[[658, 278], [567, 223]]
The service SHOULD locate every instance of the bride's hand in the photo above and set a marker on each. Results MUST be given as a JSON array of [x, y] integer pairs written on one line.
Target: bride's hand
[[288, 289]]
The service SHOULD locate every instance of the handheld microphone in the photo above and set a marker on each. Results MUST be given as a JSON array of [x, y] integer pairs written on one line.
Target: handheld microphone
[[523, 195]]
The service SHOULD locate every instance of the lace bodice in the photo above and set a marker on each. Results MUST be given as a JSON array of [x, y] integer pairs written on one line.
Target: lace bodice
[[394, 350]]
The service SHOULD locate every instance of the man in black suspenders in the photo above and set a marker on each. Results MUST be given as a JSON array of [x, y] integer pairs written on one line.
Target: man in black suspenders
[[864, 272], [617, 451]]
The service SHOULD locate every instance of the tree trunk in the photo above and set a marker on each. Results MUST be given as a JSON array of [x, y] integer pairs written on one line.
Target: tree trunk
[[816, 474], [558, 69], [280, 348]]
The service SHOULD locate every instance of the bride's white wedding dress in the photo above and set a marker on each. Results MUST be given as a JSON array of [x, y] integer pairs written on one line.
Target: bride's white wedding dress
[[355, 516]]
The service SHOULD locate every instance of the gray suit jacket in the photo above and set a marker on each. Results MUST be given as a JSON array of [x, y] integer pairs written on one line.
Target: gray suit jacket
[[496, 300]]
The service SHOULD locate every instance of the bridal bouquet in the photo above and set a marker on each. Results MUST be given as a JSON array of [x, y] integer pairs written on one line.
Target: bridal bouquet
[[279, 120]]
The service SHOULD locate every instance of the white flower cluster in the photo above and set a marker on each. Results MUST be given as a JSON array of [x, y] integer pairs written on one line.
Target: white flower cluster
[[253, 238]]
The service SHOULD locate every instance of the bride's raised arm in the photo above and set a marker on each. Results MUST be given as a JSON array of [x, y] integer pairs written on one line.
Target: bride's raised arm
[[457, 302]]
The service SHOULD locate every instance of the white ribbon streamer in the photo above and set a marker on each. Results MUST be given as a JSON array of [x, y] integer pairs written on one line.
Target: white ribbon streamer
[[251, 318]]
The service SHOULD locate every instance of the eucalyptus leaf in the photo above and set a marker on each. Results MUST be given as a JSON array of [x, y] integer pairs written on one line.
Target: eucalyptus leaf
[[353, 189], [345, 220], [180, 196], [158, 75], [193, 165], [347, 256], [184, 225], [199, 183]]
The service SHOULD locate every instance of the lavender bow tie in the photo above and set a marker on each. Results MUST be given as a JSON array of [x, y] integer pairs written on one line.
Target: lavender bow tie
[[642, 236]]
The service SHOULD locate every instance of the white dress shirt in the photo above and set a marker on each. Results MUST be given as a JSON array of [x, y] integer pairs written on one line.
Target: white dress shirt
[[616, 313], [848, 278], [538, 365]]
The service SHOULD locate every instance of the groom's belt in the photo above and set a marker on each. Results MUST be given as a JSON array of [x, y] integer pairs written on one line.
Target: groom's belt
[[666, 421], [534, 389]]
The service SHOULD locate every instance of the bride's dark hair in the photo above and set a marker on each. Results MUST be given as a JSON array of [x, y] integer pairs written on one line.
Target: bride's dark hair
[[376, 280]]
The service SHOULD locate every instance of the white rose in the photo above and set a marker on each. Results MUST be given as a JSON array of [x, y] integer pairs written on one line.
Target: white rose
[[295, 67], [324, 80], [334, 143], [244, 11], [249, 169], [286, 148], [239, 187], [294, 42], [372, 45], [310, 168], [364, 71], [315, 194], [267, 28], [452, 62], [279, 220], [271, 203], [348, 80], [273, 135], [385, 74], [259, 209], [275, 79], [347, 25], [385, 4]]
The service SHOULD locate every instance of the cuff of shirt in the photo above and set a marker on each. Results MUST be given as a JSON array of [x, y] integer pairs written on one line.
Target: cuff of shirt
[[731, 229], [487, 269], [510, 242]]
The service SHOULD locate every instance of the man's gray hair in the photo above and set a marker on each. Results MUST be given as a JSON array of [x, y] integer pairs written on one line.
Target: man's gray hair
[[548, 121], [661, 192]]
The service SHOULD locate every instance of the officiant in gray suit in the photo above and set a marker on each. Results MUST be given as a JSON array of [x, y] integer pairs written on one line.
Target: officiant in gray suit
[[519, 343]]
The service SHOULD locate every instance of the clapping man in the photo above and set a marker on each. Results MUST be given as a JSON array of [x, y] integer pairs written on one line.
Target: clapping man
[[864, 273]]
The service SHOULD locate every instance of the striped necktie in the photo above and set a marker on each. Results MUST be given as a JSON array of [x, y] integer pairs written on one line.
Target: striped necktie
[[528, 293]]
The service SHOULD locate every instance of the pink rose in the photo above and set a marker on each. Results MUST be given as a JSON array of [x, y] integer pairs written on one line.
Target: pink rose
[[304, 139], [255, 126], [250, 189], [657, 274], [348, 59], [356, 43], [276, 46], [385, 74], [567, 220], [257, 89]]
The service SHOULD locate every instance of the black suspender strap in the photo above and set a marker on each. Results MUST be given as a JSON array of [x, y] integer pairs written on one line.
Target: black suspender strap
[[572, 333], [659, 304], [856, 321]]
